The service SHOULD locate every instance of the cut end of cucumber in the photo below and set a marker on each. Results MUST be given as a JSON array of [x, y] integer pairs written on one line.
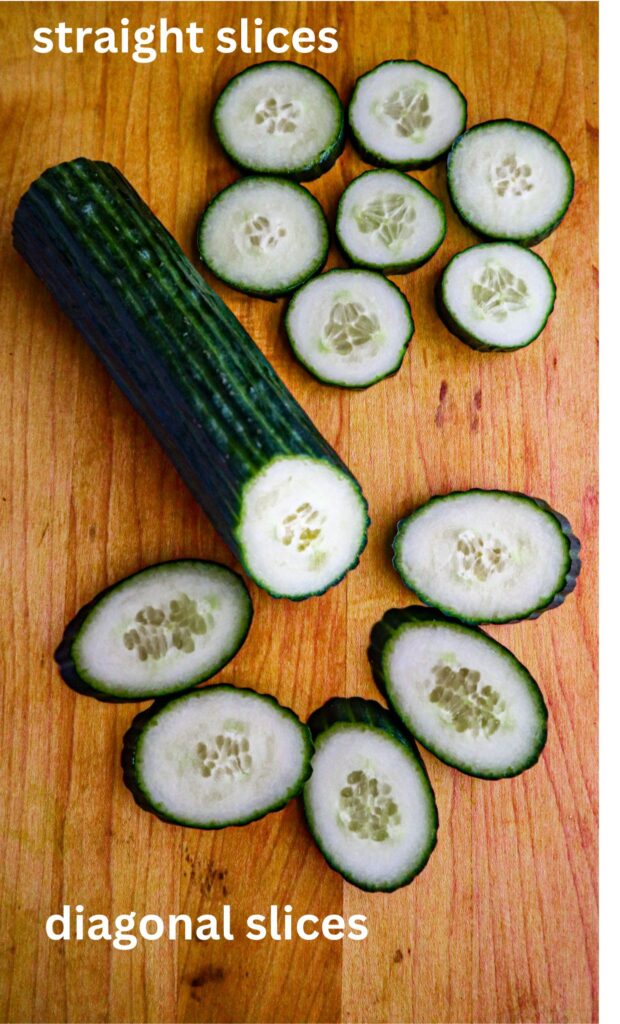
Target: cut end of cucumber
[[302, 527]]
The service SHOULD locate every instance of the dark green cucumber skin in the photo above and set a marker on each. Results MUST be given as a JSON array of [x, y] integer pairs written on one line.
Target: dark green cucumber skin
[[528, 240], [370, 157], [369, 713], [63, 655], [308, 172], [342, 384], [384, 631], [390, 268], [572, 563], [131, 775], [470, 339], [183, 360], [264, 293]]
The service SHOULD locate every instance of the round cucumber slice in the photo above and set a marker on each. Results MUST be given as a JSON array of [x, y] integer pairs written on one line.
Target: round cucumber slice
[[216, 757], [496, 296], [462, 695], [388, 221], [349, 327], [369, 803], [488, 556], [510, 180], [161, 630], [280, 118], [405, 114], [263, 236]]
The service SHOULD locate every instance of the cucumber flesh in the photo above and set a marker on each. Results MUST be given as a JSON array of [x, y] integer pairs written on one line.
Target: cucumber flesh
[[369, 803], [263, 236], [405, 114], [461, 694], [487, 556], [216, 757], [280, 118], [388, 221], [496, 296], [349, 327], [510, 180]]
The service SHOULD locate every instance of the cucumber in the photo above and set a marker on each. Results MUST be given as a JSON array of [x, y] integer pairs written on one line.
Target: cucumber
[[488, 556], [388, 221], [369, 803], [161, 630], [280, 118], [216, 757], [349, 327], [274, 489], [510, 180], [462, 695], [405, 114], [263, 236], [496, 296]]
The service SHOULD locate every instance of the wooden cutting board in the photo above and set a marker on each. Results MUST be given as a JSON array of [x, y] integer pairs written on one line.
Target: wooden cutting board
[[501, 926]]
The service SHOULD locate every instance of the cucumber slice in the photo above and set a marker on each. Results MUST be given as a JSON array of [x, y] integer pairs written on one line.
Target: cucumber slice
[[510, 179], [488, 556], [405, 114], [349, 327], [390, 222], [161, 630], [496, 296], [462, 695], [216, 757], [280, 118], [369, 803], [263, 236]]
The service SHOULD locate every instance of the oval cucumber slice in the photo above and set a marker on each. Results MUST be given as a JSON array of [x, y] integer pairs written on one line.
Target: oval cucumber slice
[[263, 236], [280, 118], [463, 696], [161, 630], [369, 803], [216, 757], [388, 221], [510, 180], [496, 296], [349, 327], [405, 114], [488, 556]]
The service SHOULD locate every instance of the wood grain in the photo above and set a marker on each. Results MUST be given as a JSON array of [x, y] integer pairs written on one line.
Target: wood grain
[[501, 926]]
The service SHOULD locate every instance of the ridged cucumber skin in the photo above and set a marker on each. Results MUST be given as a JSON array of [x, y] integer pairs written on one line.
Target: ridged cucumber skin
[[470, 339], [370, 157], [310, 172], [212, 400], [343, 711], [131, 741], [384, 631], [63, 655], [567, 584], [528, 240]]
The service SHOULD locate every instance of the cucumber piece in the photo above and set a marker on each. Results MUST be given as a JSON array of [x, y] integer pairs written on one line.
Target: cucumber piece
[[163, 629], [464, 697], [349, 327], [263, 236], [280, 118], [405, 114], [510, 180], [216, 757], [387, 221], [496, 296], [488, 555], [190, 369], [369, 803]]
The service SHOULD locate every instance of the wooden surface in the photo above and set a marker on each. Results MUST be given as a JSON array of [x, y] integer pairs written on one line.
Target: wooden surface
[[501, 926]]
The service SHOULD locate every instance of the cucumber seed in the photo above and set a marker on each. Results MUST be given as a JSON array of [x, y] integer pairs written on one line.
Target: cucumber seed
[[497, 292], [512, 178], [408, 109], [156, 631], [349, 327], [367, 808], [478, 557], [468, 706], [390, 217], [226, 755]]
